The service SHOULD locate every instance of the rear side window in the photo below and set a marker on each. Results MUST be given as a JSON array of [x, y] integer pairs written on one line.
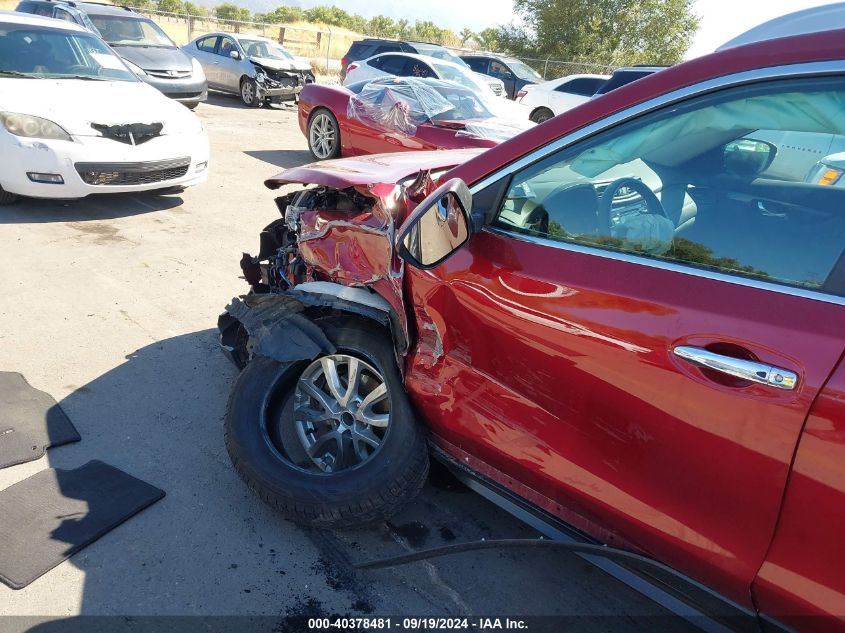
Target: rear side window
[[748, 181], [360, 50], [391, 64], [387, 48], [583, 86], [416, 68], [207, 44], [620, 78], [36, 8], [478, 64]]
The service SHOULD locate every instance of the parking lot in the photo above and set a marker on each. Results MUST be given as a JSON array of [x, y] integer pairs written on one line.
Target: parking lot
[[110, 304]]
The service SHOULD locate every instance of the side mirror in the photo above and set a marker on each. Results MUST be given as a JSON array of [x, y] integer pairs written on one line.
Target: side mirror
[[508, 75], [748, 157], [234, 55], [438, 227]]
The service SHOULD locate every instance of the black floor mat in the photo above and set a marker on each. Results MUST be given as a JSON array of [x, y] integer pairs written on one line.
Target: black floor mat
[[48, 517], [30, 421]]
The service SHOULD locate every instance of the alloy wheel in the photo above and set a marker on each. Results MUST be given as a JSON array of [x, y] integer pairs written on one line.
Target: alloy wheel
[[341, 412], [322, 136], [247, 92]]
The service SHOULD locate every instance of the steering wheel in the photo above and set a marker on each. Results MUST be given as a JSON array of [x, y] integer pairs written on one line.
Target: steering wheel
[[652, 203]]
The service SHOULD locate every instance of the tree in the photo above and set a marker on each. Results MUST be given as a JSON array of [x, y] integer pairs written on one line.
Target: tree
[[229, 12], [138, 4], [426, 31], [488, 39], [466, 35], [610, 32], [283, 14], [171, 6], [380, 26], [403, 29], [195, 9]]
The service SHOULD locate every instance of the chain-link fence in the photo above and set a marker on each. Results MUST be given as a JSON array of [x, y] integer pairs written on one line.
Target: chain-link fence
[[324, 46]]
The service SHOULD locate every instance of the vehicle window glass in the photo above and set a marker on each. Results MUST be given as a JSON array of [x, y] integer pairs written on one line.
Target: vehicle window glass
[[131, 31], [498, 69], [524, 71], [207, 44], [748, 181], [61, 14], [620, 78], [387, 48], [30, 51], [583, 86], [417, 68], [38, 9], [227, 45], [392, 64], [265, 49], [478, 64], [450, 73]]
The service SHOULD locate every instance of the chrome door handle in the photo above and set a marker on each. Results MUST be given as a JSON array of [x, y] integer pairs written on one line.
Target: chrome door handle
[[750, 370]]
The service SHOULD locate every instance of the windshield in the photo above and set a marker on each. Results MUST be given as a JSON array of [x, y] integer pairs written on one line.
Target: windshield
[[28, 51], [440, 53], [450, 73], [263, 48], [131, 31], [524, 71]]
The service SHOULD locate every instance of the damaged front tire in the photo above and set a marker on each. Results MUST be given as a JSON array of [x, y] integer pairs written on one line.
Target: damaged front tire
[[330, 442]]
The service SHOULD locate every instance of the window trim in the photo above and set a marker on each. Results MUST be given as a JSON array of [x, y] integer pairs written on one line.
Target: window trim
[[795, 71]]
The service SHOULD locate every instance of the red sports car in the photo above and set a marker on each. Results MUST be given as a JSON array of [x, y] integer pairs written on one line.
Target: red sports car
[[398, 113], [629, 320]]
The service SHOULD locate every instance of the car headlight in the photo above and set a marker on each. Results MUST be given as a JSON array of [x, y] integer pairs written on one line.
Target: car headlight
[[199, 73], [135, 68], [29, 126]]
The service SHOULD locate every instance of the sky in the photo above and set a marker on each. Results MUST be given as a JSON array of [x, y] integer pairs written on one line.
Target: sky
[[721, 20]]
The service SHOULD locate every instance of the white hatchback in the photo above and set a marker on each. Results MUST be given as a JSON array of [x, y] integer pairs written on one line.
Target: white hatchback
[[75, 121]]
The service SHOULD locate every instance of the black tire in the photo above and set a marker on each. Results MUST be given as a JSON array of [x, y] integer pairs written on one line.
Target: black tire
[[191, 105], [322, 115], [369, 492], [249, 93], [541, 114], [7, 198]]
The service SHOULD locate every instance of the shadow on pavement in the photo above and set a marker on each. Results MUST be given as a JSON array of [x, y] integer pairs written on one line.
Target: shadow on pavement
[[226, 100], [98, 207], [212, 548], [285, 158]]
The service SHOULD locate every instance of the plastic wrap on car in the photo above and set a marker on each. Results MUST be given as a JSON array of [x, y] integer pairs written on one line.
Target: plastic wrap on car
[[494, 129], [398, 105]]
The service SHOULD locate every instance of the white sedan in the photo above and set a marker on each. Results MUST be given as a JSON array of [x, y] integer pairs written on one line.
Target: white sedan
[[413, 65], [75, 121], [553, 97]]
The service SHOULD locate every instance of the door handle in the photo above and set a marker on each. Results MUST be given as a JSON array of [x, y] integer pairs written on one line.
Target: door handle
[[750, 370]]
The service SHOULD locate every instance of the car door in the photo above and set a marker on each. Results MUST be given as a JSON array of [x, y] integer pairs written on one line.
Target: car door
[[205, 50], [641, 363], [230, 70]]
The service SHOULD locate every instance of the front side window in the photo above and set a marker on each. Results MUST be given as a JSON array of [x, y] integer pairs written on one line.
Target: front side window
[[416, 68], [728, 182], [131, 31], [28, 51], [227, 46]]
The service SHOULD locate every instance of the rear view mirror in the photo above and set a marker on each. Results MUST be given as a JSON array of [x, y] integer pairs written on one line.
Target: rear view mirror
[[235, 55], [748, 157], [438, 227]]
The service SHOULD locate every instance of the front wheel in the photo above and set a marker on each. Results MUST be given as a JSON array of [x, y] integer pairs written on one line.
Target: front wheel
[[7, 198], [323, 135], [249, 93], [330, 443]]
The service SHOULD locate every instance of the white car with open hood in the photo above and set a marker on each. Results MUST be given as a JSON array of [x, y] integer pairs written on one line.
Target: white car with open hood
[[75, 121]]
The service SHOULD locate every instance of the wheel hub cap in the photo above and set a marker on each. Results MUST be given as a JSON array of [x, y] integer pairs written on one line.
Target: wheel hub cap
[[322, 136], [341, 412]]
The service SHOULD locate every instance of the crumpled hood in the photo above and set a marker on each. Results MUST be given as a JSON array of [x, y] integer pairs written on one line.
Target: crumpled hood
[[155, 58], [278, 64], [371, 169], [75, 104]]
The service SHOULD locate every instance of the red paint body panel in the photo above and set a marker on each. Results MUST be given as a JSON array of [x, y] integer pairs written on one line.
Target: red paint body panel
[[805, 568], [551, 371], [791, 50], [368, 170], [556, 370], [357, 138]]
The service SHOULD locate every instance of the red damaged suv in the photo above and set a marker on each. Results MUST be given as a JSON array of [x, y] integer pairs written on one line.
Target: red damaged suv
[[628, 320]]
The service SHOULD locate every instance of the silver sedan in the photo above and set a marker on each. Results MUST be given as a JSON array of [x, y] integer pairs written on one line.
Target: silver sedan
[[255, 68]]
